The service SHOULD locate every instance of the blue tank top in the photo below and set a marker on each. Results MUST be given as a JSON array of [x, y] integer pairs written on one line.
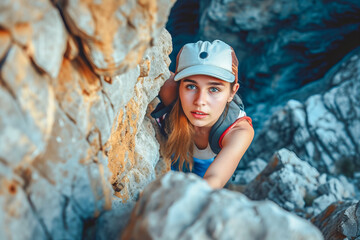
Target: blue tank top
[[202, 160]]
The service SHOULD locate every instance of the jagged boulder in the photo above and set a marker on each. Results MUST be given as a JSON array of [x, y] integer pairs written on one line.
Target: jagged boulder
[[286, 180], [183, 206], [341, 220], [296, 186]]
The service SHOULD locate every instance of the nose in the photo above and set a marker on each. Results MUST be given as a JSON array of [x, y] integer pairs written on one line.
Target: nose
[[200, 98]]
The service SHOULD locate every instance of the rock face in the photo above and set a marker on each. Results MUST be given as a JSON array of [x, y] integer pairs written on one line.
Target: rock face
[[282, 46], [180, 206], [75, 139], [296, 186], [108, 49], [323, 129]]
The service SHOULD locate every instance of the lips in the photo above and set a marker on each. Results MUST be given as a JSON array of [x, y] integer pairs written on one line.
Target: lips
[[199, 114]]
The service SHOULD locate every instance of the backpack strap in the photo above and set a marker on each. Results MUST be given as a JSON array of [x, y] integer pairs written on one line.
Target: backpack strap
[[160, 115], [227, 118]]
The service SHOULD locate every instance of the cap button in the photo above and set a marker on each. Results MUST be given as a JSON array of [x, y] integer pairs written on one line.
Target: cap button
[[203, 55]]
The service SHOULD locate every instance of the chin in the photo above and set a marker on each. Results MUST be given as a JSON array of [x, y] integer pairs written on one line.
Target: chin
[[199, 123]]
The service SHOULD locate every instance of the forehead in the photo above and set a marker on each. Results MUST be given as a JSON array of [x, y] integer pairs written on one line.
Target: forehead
[[204, 79]]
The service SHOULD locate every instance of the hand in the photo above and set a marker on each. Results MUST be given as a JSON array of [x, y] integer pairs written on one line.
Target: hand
[[169, 91]]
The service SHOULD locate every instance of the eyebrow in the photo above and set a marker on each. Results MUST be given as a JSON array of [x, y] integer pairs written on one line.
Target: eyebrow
[[209, 83]]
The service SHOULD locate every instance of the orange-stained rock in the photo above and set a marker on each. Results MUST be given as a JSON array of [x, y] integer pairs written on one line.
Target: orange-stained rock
[[35, 107], [38, 27], [65, 128], [116, 34], [4, 42], [341, 220]]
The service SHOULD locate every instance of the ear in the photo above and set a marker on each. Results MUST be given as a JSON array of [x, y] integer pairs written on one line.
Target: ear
[[235, 88], [233, 92]]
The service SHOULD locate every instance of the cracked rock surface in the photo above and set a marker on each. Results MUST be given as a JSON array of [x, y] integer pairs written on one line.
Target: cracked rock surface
[[77, 146]]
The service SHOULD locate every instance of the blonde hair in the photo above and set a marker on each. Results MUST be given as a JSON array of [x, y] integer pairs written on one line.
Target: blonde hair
[[180, 143]]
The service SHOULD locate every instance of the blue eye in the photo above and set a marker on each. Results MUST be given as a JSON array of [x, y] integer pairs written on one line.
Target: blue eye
[[214, 89], [191, 86]]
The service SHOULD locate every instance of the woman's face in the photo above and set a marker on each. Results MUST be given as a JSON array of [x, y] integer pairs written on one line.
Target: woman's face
[[204, 98]]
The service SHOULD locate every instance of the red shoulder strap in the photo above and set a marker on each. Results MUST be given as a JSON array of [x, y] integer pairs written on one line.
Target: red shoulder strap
[[232, 125]]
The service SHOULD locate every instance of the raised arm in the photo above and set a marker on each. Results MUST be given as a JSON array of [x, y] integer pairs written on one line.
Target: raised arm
[[169, 91], [235, 144]]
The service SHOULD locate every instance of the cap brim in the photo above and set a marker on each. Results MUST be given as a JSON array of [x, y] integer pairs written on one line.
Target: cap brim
[[213, 71]]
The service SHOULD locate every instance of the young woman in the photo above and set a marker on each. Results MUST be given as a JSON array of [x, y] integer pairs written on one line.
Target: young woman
[[200, 114]]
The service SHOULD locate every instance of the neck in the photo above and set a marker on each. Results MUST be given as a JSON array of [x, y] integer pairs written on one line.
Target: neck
[[201, 138], [202, 130]]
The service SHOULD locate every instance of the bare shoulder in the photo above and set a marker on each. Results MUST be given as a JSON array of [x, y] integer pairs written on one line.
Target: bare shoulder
[[241, 131], [241, 123]]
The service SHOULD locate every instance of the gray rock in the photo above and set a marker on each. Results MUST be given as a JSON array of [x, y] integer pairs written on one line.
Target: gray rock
[[341, 220], [298, 187], [286, 180], [38, 27], [335, 187], [323, 129], [247, 175], [17, 217], [321, 203], [333, 190], [183, 206], [31, 115]]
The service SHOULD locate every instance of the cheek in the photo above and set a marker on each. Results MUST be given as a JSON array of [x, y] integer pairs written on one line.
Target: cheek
[[220, 100], [219, 104], [184, 98], [181, 95]]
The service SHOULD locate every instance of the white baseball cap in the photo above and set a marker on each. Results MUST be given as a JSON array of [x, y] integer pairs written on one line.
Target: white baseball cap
[[216, 59]]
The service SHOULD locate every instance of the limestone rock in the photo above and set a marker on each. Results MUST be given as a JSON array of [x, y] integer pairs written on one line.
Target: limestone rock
[[341, 220], [29, 124], [296, 186], [17, 211], [132, 148], [286, 180], [75, 144], [183, 206], [38, 27], [130, 29]]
